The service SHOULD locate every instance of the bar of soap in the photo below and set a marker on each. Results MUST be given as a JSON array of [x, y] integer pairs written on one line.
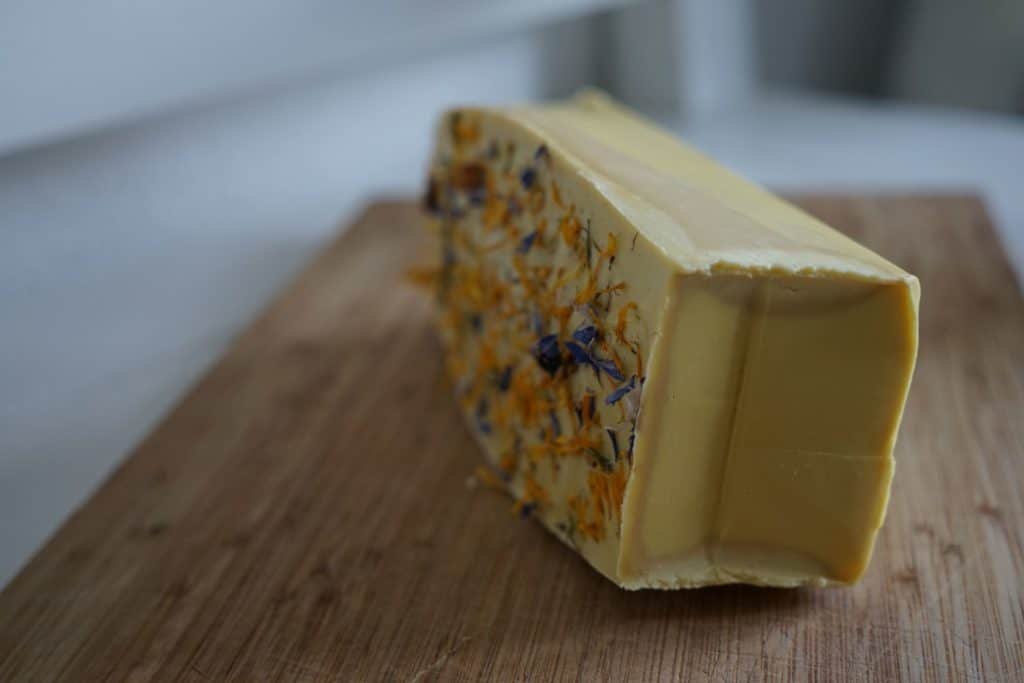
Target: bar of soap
[[685, 378]]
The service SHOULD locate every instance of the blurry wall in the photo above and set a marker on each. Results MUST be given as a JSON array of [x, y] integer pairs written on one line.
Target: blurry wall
[[942, 52], [836, 45], [968, 54], [68, 67]]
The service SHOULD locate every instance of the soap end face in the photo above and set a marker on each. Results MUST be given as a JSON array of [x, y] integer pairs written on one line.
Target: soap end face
[[769, 424]]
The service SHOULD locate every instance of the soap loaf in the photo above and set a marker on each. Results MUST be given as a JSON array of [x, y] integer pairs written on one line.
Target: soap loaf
[[685, 378]]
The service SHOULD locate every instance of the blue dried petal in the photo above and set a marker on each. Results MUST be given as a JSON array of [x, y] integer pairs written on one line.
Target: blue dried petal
[[528, 177], [547, 343], [585, 335], [542, 152], [617, 395], [614, 437], [527, 509], [609, 369], [579, 354], [556, 427], [547, 353], [477, 196], [527, 242]]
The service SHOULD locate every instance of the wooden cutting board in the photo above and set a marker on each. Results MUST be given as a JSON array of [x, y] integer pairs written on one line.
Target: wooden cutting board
[[304, 514]]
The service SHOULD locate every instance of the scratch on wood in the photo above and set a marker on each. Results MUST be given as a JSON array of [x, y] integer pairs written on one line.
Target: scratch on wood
[[440, 662], [770, 653], [199, 671]]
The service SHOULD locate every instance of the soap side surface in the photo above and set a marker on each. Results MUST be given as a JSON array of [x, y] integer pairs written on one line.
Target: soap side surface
[[638, 340], [548, 304]]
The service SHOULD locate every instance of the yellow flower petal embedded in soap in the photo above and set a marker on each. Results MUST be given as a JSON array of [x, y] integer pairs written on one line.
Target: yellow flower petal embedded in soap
[[685, 378]]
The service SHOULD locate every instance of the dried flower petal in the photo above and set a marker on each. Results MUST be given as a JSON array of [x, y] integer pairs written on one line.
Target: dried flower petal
[[614, 438], [585, 335], [609, 369], [579, 354], [556, 426], [527, 242], [528, 177], [547, 353], [617, 395]]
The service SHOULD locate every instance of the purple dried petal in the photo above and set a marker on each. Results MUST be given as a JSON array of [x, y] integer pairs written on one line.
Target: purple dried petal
[[579, 354], [548, 342], [547, 353], [585, 335], [527, 242], [528, 177], [617, 395], [614, 438], [609, 369]]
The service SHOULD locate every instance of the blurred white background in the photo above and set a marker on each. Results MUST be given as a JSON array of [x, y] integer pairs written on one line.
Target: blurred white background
[[165, 168]]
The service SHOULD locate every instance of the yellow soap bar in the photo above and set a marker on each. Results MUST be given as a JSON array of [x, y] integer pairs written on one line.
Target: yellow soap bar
[[685, 378]]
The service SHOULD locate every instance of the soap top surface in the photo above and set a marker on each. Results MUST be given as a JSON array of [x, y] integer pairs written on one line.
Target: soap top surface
[[695, 212]]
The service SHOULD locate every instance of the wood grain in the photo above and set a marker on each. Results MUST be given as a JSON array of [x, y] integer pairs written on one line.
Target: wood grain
[[303, 513]]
